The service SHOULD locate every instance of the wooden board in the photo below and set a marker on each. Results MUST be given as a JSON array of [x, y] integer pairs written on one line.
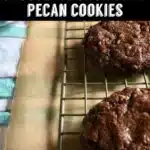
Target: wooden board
[[30, 128]]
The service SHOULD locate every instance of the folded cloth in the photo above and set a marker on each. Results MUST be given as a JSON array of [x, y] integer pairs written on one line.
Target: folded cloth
[[12, 34], [4, 104], [15, 29], [7, 86], [4, 118], [9, 56], [11, 38]]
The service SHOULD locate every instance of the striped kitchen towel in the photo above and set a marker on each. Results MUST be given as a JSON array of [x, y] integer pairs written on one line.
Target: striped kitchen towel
[[11, 38], [12, 35]]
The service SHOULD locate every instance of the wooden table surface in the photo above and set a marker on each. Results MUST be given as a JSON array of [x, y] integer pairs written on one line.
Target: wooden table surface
[[30, 126]]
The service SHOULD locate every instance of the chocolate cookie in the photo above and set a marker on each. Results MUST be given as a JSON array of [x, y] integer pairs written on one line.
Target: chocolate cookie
[[120, 122], [124, 45]]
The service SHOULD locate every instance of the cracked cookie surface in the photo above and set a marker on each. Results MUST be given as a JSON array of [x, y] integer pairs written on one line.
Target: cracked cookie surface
[[124, 45], [120, 122]]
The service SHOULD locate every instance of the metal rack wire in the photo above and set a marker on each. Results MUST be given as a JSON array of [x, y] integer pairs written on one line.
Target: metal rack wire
[[85, 84]]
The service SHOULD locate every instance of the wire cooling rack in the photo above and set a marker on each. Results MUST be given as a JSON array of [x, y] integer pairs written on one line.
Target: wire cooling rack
[[105, 83]]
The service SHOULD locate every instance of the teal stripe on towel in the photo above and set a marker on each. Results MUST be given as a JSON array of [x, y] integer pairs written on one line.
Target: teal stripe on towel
[[4, 118], [7, 86], [13, 30]]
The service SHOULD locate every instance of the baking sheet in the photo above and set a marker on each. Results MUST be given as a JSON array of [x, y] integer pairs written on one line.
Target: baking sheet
[[35, 114]]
